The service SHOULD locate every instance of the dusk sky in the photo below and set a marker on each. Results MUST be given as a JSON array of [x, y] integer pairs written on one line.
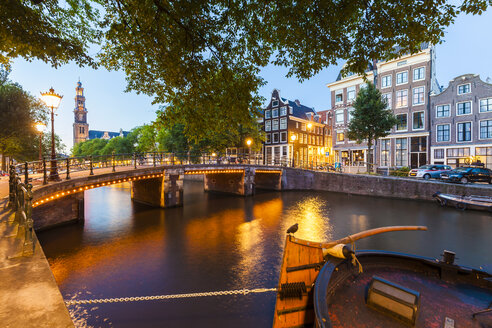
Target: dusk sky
[[467, 48]]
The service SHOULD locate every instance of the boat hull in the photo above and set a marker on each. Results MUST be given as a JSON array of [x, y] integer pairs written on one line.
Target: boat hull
[[446, 291], [480, 203]]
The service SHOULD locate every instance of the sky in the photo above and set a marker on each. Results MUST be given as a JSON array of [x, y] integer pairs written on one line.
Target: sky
[[467, 48]]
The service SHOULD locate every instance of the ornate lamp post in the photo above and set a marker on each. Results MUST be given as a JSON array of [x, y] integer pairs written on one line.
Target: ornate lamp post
[[40, 126], [52, 100], [249, 142]]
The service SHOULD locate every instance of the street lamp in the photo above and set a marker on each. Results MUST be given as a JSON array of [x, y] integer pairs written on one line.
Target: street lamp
[[249, 142], [52, 100], [40, 126]]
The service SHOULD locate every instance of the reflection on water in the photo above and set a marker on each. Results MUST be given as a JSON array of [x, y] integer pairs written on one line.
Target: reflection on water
[[220, 242]]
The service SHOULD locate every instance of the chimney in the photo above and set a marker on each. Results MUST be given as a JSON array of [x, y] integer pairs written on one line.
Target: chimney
[[298, 103], [316, 118]]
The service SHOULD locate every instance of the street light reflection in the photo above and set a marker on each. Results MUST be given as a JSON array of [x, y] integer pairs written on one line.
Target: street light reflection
[[314, 224]]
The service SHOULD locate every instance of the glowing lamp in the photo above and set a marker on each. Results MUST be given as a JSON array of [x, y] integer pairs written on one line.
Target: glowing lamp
[[51, 99]]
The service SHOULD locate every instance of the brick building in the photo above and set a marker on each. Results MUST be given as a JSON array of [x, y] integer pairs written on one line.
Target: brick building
[[295, 134], [461, 121]]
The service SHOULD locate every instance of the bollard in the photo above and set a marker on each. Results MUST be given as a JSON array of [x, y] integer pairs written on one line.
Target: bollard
[[28, 239], [45, 176], [91, 166], [68, 169]]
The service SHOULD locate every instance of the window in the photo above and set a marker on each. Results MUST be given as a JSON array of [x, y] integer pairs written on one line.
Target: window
[[401, 77], [464, 132], [458, 152], [349, 114], [268, 125], [486, 129], [418, 96], [305, 139], [464, 88], [81, 129], [419, 74], [284, 150], [418, 120], [267, 114], [283, 111], [268, 138], [283, 123], [291, 110], [463, 108], [387, 97], [401, 151], [338, 96], [401, 125], [386, 81], [283, 136], [485, 105], [275, 103], [385, 152], [275, 112], [303, 126], [275, 137], [443, 133], [351, 93], [401, 98], [439, 153], [275, 124], [339, 116], [340, 137], [443, 111]]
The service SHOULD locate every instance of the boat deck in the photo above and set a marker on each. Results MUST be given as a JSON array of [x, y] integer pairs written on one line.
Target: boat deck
[[438, 300]]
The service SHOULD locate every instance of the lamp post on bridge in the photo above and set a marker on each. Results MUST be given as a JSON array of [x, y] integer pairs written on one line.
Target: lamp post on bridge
[[249, 142], [52, 100], [40, 126]]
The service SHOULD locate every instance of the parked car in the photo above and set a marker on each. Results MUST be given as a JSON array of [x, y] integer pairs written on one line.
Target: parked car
[[467, 174], [429, 171]]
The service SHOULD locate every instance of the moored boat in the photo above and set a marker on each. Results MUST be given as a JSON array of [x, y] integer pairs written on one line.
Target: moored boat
[[329, 285], [473, 202]]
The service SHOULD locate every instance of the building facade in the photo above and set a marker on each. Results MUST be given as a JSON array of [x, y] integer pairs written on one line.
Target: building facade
[[406, 84], [343, 93], [295, 134], [80, 125], [461, 123]]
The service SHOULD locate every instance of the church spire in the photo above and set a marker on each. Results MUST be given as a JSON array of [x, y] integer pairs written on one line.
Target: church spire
[[80, 125]]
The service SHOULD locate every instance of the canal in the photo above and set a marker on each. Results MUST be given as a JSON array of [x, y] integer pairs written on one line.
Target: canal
[[223, 242]]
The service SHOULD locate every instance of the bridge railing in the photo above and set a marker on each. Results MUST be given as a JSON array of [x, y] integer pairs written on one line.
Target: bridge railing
[[20, 201]]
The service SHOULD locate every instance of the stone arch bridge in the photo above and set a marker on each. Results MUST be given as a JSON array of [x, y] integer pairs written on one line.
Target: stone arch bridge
[[160, 186]]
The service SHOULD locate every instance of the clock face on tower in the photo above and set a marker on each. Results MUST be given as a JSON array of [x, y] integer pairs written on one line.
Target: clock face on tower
[[81, 117]]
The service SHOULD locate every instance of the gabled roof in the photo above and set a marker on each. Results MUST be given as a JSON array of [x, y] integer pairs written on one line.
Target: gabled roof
[[299, 110]]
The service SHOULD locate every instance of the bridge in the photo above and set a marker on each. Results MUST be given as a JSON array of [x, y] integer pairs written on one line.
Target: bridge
[[156, 179]]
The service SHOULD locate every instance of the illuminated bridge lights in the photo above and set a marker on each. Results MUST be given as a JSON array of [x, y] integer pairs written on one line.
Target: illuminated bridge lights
[[269, 171], [213, 171], [91, 186]]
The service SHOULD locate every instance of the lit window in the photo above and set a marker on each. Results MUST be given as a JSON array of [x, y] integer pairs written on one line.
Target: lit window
[[340, 136], [401, 151], [401, 98], [385, 152]]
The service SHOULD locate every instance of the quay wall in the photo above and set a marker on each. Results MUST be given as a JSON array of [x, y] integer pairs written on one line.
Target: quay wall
[[382, 186]]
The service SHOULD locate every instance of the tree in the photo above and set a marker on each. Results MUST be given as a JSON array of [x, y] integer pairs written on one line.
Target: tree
[[19, 111], [371, 119]]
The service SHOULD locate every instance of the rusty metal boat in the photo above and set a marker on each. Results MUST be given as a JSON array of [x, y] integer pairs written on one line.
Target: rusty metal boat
[[329, 285]]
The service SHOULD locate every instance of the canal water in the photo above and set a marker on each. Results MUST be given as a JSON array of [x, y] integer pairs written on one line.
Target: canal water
[[222, 242]]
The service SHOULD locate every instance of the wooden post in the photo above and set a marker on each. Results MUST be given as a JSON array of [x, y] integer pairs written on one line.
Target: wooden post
[[26, 174]]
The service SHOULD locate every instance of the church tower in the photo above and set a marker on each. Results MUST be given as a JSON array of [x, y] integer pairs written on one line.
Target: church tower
[[80, 126]]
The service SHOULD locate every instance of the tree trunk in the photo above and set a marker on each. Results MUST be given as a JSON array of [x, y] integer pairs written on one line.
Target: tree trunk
[[369, 145]]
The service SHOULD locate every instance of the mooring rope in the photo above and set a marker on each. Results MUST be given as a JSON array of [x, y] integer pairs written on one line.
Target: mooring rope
[[173, 296]]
